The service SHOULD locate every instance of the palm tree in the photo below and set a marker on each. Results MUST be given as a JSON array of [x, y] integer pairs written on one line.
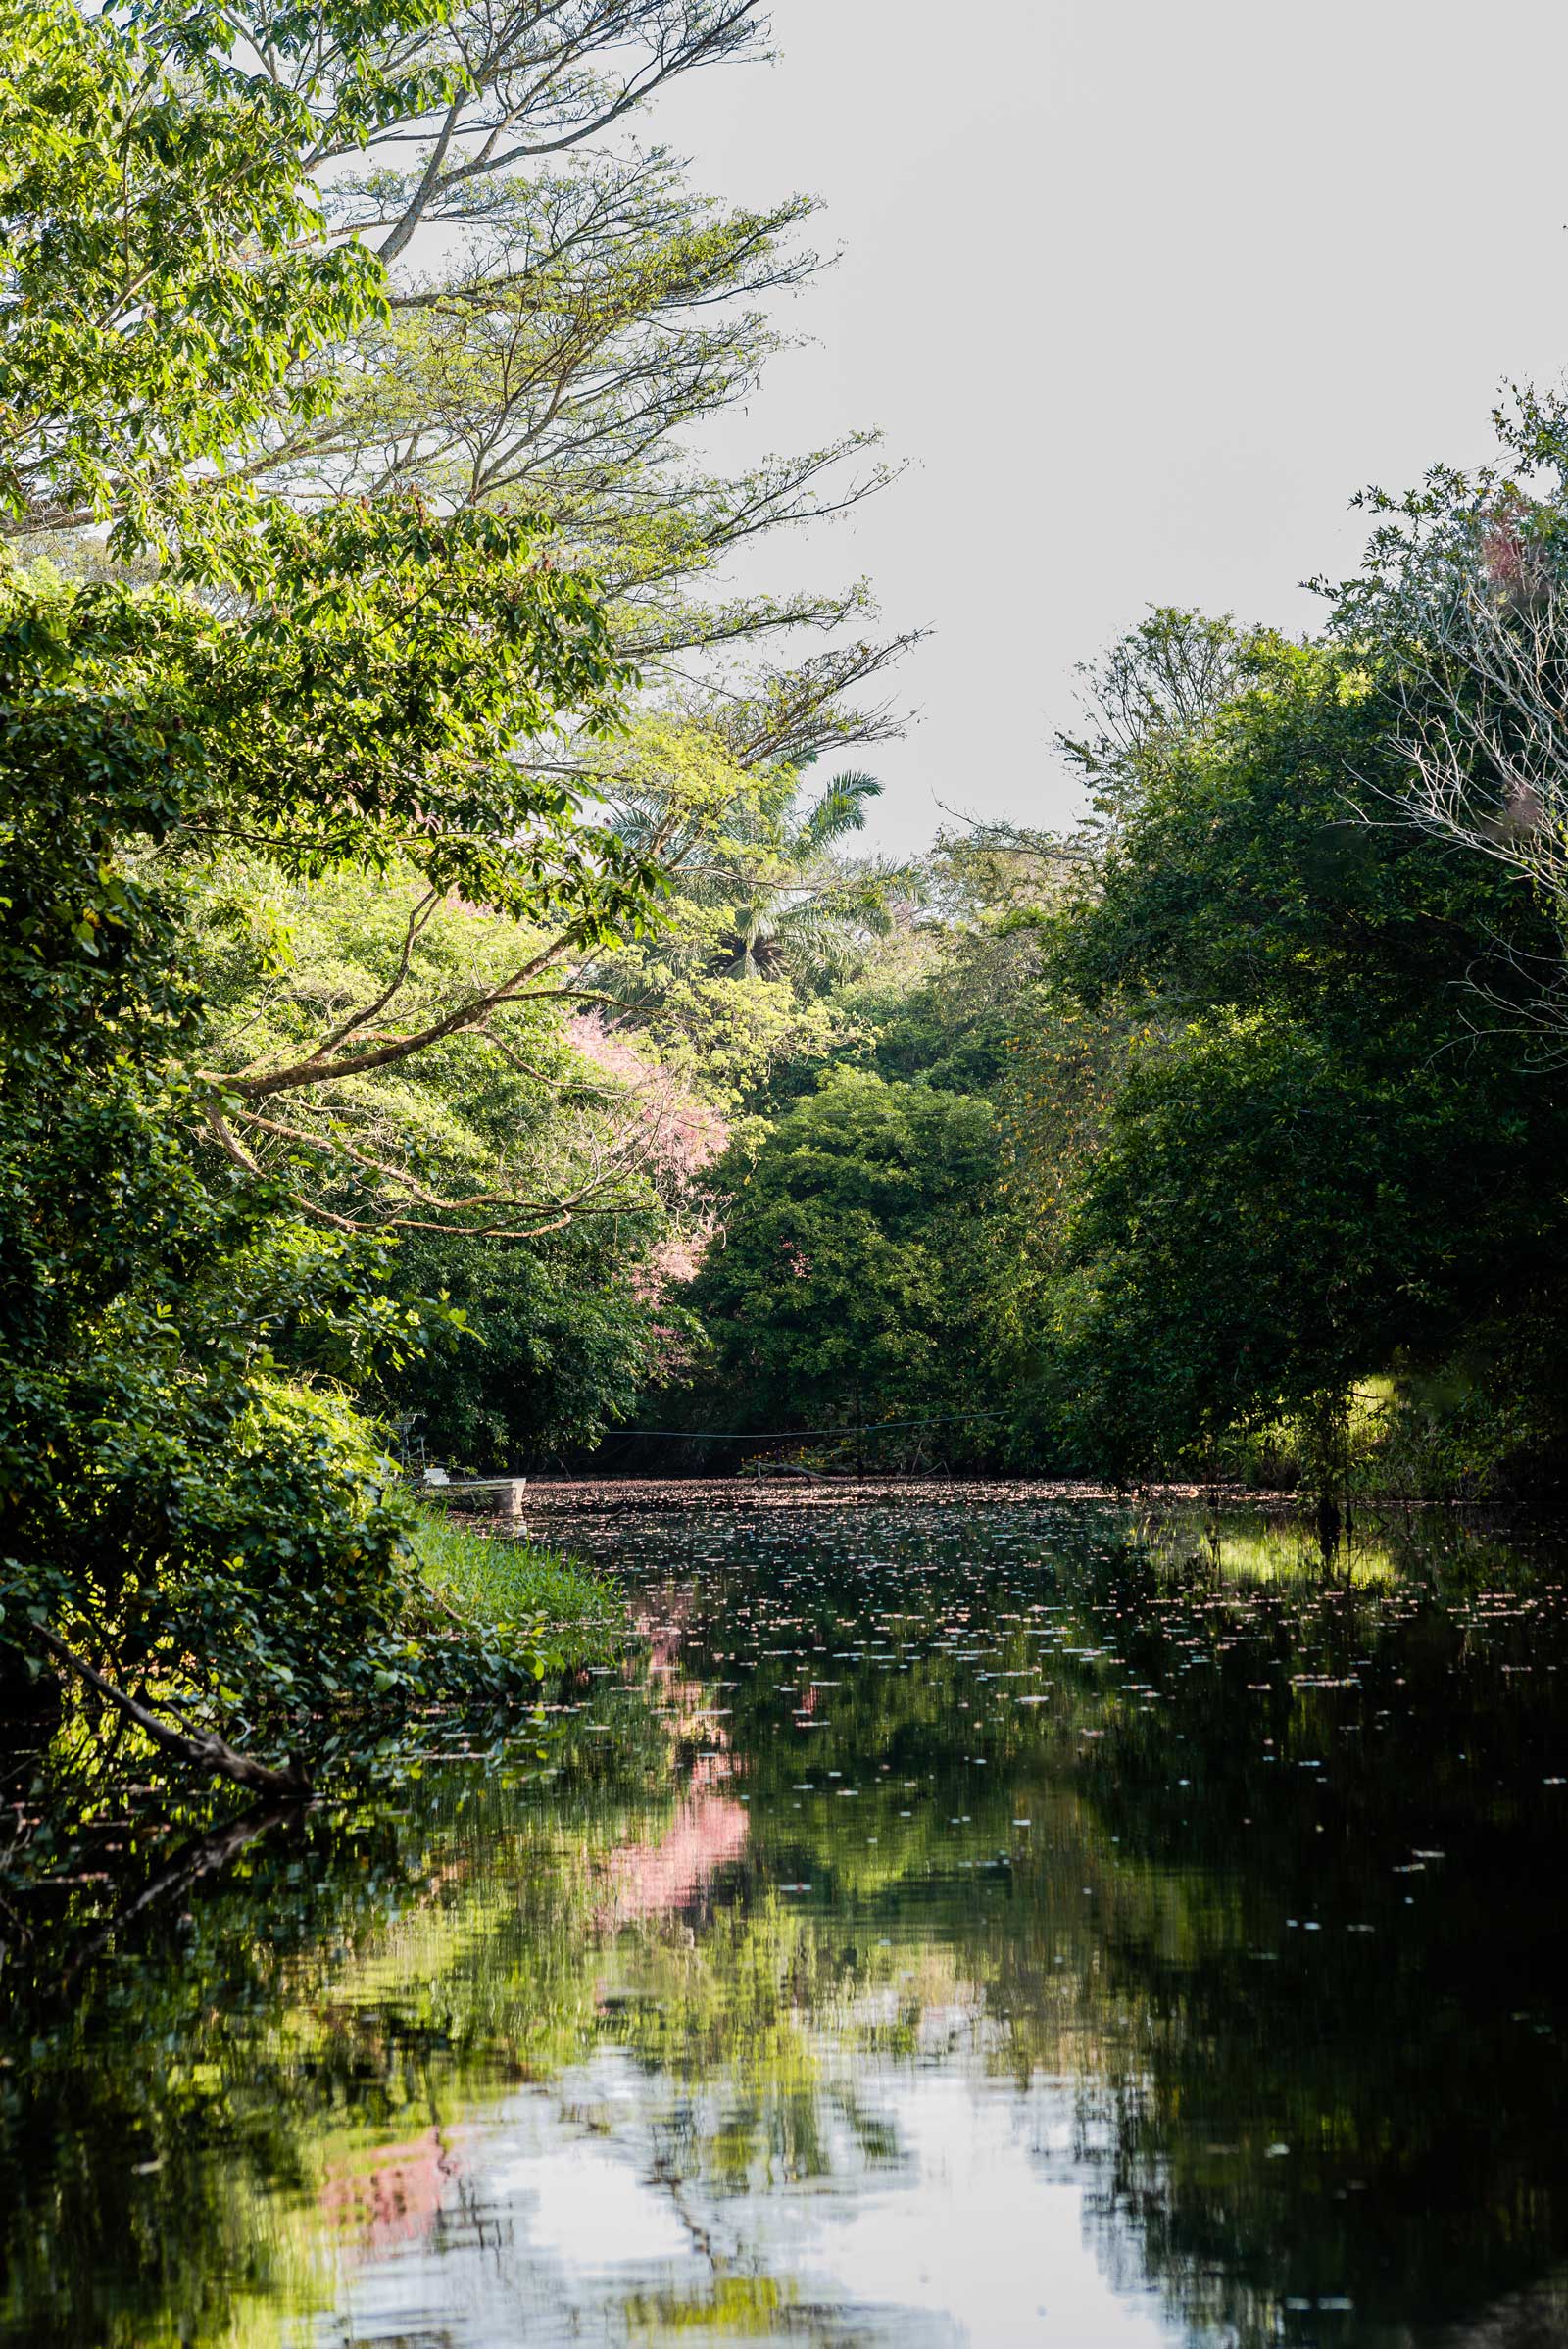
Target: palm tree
[[777, 900], [802, 911]]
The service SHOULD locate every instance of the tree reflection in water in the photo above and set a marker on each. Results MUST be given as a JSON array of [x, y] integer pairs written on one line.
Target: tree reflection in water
[[950, 1914]]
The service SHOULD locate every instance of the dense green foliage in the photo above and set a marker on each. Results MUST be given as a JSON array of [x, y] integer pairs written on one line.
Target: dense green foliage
[[554, 1345], [187, 1493], [1316, 1163], [853, 1280], [320, 743], [440, 1002], [1275, 1178], [185, 1489]]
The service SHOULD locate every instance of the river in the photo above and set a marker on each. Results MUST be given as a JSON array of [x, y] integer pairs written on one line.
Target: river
[[955, 1920]]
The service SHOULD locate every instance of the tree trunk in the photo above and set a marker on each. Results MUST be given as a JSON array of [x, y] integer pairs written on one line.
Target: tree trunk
[[205, 1750]]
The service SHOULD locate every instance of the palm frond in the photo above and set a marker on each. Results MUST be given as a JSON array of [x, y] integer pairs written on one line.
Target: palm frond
[[840, 809]]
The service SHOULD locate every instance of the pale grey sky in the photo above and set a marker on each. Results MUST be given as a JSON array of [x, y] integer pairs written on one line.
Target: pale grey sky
[[1143, 290]]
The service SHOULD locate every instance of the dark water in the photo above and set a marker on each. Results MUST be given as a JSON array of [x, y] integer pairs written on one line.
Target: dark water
[[964, 1923]]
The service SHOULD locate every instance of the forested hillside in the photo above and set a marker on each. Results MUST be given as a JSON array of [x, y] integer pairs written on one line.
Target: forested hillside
[[1221, 1136], [448, 1010]]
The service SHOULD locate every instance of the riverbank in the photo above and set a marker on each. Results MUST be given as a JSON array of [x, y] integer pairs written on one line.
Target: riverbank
[[489, 1576]]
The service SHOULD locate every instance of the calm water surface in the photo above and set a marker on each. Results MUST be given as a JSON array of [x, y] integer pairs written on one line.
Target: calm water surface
[[971, 1923]]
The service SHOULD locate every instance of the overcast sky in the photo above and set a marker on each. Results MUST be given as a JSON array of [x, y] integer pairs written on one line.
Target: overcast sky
[[1143, 290]]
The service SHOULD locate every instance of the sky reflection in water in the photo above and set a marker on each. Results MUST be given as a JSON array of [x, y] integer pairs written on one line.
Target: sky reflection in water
[[965, 1924]]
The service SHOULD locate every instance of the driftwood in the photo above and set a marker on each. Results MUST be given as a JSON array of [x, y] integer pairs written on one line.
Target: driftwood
[[205, 1750]]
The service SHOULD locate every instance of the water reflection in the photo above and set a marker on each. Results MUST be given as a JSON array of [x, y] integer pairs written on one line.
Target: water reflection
[[991, 1925]]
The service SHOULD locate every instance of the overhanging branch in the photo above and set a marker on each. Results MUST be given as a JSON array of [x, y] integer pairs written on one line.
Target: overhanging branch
[[207, 1750]]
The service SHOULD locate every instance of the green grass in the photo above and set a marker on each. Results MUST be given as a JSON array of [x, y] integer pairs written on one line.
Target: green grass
[[506, 1579]]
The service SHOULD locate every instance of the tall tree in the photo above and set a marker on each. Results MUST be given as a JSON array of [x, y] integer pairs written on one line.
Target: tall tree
[[268, 253], [214, 327], [853, 1285], [186, 1501], [1307, 1166], [1463, 602]]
